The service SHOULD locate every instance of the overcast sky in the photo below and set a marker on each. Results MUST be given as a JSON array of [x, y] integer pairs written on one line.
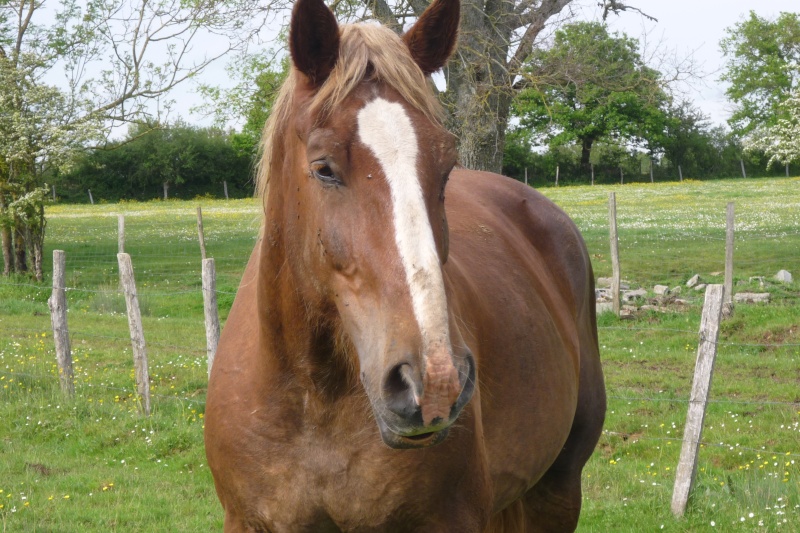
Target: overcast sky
[[684, 28]]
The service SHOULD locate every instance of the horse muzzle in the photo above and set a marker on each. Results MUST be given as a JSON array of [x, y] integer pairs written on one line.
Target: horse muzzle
[[407, 420]]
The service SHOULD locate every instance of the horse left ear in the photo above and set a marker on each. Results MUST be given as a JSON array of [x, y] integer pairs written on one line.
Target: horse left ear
[[433, 37], [314, 40]]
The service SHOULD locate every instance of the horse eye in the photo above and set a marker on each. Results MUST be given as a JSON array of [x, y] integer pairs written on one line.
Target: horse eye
[[325, 174]]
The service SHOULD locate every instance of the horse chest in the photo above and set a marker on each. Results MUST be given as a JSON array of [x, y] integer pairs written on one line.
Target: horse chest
[[319, 483]]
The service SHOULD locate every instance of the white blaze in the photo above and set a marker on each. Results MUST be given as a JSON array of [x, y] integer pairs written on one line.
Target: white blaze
[[385, 128]]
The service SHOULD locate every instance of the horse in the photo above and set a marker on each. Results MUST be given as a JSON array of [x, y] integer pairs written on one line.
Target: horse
[[413, 345]]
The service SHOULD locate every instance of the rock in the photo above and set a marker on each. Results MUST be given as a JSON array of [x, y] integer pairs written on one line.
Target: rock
[[629, 296], [675, 290], [656, 308], [700, 287], [694, 280], [759, 279], [606, 283], [604, 307], [661, 290], [602, 295], [751, 297], [784, 276]]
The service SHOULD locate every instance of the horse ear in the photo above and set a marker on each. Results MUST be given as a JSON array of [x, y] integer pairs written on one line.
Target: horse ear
[[433, 37], [313, 40]]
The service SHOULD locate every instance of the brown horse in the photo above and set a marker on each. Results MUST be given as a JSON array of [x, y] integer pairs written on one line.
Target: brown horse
[[395, 361]]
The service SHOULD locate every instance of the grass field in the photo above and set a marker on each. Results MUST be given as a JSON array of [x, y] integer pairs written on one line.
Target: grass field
[[93, 463]]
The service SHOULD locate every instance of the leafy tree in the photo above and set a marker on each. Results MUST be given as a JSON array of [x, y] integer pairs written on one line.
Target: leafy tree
[[762, 67], [590, 86], [780, 141], [101, 57], [160, 158]]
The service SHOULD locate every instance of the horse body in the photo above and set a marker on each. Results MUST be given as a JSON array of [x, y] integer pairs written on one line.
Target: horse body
[[467, 345]]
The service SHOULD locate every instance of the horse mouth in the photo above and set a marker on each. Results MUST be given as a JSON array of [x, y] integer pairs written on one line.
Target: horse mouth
[[406, 442]]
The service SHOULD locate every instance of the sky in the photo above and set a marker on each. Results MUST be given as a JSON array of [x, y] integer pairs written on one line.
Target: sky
[[684, 29], [694, 28]]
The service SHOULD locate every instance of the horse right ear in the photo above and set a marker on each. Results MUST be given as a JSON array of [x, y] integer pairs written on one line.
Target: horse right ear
[[313, 40]]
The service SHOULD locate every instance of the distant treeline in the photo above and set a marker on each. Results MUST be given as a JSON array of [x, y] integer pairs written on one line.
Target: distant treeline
[[178, 161], [716, 156]]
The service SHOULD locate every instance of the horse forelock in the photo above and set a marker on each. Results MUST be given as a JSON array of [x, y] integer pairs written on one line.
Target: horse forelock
[[366, 51]]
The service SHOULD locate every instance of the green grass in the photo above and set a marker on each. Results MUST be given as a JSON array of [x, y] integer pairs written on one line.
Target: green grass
[[93, 463]]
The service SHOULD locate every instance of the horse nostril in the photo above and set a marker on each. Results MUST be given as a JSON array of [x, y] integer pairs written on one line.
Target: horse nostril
[[399, 391]]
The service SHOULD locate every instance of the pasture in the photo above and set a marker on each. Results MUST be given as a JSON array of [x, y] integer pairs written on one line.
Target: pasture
[[93, 463]]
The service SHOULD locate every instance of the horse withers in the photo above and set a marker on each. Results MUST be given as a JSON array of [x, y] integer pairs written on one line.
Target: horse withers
[[396, 360]]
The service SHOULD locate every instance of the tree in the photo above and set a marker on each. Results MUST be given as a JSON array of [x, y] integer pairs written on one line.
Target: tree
[[105, 54], [172, 159], [780, 141], [589, 86], [762, 67]]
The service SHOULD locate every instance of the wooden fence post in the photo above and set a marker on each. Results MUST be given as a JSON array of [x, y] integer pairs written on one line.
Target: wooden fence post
[[137, 333], [121, 234], [703, 371], [729, 221], [615, 274], [592, 167], [526, 175], [211, 311], [225, 188], [58, 316], [651, 171], [200, 235], [680, 173], [91, 200], [556, 175], [741, 161]]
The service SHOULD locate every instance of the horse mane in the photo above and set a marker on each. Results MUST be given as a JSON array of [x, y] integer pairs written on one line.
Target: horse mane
[[366, 51]]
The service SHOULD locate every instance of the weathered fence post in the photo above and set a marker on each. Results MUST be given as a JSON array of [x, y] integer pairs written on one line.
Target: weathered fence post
[[526, 175], [137, 333], [592, 167], [651, 171], [615, 274], [91, 200], [703, 371], [200, 235], [729, 222], [556, 175], [121, 234], [680, 173], [58, 316], [54, 187], [211, 312], [741, 161], [225, 188]]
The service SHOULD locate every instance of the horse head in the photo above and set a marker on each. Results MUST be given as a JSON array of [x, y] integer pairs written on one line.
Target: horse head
[[357, 160]]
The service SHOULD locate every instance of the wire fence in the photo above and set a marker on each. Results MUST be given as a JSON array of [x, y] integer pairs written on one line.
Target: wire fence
[[167, 261]]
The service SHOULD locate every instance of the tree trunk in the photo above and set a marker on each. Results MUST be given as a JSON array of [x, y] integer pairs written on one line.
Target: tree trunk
[[21, 257], [37, 243], [5, 238], [586, 153]]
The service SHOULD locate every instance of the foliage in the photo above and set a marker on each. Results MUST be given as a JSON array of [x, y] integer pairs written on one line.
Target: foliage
[[187, 159], [591, 85], [780, 141], [763, 68], [68, 73]]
